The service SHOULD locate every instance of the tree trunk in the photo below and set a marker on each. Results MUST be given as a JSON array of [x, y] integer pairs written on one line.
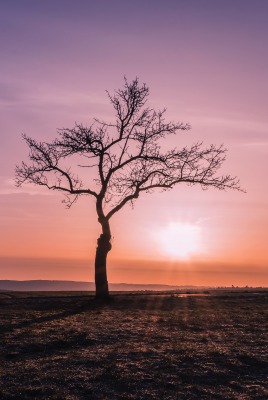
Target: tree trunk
[[103, 248]]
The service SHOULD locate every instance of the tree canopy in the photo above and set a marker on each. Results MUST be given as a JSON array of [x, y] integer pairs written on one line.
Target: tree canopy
[[124, 158], [127, 154]]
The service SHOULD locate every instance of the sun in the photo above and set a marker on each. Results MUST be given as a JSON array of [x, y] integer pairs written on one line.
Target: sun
[[179, 240]]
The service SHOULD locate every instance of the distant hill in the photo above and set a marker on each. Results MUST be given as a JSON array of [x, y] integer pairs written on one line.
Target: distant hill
[[45, 285]]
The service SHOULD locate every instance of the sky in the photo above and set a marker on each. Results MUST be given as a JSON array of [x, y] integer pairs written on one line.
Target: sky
[[206, 61]]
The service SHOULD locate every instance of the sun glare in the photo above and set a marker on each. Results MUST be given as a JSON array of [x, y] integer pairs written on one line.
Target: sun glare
[[179, 240]]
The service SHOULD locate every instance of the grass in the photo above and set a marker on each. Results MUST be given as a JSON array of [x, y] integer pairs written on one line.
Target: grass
[[139, 346]]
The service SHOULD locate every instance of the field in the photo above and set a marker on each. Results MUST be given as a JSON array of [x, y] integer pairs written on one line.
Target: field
[[138, 346]]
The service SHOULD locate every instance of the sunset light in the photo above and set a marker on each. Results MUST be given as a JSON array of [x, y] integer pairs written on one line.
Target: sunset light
[[133, 199], [205, 62], [179, 240]]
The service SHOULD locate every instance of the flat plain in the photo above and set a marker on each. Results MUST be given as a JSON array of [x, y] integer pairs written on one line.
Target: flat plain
[[212, 345]]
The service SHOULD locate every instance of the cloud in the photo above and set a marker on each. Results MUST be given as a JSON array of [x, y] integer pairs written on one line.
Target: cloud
[[261, 146], [18, 93], [243, 125], [8, 187]]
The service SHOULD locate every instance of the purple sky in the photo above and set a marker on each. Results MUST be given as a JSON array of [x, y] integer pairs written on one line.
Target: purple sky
[[206, 61]]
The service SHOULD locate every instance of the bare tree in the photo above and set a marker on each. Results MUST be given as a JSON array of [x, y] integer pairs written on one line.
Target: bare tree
[[127, 160]]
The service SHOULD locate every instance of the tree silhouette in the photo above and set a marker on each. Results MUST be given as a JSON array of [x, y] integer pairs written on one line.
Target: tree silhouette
[[123, 159]]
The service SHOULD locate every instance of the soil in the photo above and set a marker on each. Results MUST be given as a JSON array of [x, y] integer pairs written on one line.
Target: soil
[[137, 346]]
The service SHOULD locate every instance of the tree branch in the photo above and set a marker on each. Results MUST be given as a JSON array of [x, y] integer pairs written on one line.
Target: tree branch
[[127, 156]]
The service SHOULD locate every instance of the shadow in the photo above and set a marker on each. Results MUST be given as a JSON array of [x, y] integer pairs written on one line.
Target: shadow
[[47, 304]]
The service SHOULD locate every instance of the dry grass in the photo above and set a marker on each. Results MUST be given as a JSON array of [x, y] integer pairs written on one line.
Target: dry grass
[[135, 347]]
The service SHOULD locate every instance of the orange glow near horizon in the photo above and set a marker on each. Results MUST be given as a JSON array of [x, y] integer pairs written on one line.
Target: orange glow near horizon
[[197, 252], [138, 271]]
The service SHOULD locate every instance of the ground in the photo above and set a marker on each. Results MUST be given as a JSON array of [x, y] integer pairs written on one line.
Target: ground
[[138, 346]]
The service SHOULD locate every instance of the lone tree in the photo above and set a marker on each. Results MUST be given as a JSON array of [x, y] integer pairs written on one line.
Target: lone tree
[[127, 160]]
